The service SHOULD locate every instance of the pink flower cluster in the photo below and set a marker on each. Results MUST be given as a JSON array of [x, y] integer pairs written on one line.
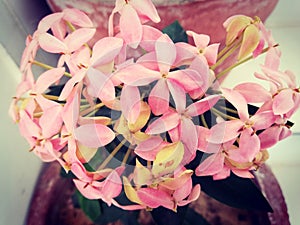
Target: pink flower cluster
[[157, 93]]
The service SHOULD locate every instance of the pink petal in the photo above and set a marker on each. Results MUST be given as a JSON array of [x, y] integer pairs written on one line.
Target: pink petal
[[238, 101], [154, 198], [100, 85], [211, 165], [87, 190], [272, 135], [150, 35], [45, 24], [200, 65], [78, 38], [70, 112], [51, 44], [112, 187], [225, 131], [149, 148], [146, 8], [194, 195], [223, 174], [28, 128], [189, 137], [243, 173], [202, 105], [249, 145], [159, 97], [272, 59], [211, 53], [283, 102], [184, 191], [77, 17], [149, 61], [130, 26], [164, 123], [130, 103], [59, 29], [51, 121], [253, 92], [203, 144], [94, 135], [47, 78], [189, 79], [105, 50], [201, 40], [250, 41], [178, 95], [80, 172], [165, 53], [263, 120], [137, 75], [70, 84]]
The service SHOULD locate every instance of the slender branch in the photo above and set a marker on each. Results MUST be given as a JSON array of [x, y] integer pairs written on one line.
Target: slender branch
[[221, 114], [92, 109], [47, 67], [112, 154], [126, 156], [203, 121], [228, 69], [226, 55]]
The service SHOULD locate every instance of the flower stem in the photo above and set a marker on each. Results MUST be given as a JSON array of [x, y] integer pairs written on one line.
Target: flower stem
[[92, 109], [221, 114], [203, 121], [47, 67], [112, 154], [227, 54], [228, 69], [126, 156]]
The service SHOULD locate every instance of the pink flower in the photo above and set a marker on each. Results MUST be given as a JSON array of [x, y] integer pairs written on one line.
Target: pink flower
[[159, 64], [40, 128], [245, 128], [202, 47], [90, 188], [179, 123], [133, 14]]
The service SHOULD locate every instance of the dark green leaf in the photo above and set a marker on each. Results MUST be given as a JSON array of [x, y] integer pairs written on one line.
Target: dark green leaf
[[90, 207], [176, 32], [163, 216], [235, 191], [194, 218]]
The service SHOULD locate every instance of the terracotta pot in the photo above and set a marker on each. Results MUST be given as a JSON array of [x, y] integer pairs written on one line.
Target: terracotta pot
[[202, 16], [52, 204]]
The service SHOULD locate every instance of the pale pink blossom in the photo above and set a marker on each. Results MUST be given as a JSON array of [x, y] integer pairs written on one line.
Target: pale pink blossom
[[133, 14]]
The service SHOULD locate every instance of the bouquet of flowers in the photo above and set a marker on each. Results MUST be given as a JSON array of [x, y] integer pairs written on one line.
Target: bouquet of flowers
[[139, 119]]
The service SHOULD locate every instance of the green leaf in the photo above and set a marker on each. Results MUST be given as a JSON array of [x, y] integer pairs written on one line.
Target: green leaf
[[176, 32], [163, 216], [194, 218], [90, 207], [235, 191]]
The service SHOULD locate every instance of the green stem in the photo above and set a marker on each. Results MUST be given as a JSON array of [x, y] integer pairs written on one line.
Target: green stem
[[111, 155], [203, 121], [228, 69], [47, 67], [92, 109], [221, 114], [126, 156], [227, 54]]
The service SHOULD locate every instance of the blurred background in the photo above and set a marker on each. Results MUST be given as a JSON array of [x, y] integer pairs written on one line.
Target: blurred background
[[19, 169]]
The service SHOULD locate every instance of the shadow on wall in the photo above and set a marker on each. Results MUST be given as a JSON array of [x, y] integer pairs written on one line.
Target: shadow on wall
[[18, 18]]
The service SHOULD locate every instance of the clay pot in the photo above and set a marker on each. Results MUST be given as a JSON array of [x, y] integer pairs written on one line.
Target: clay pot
[[52, 203], [202, 16]]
